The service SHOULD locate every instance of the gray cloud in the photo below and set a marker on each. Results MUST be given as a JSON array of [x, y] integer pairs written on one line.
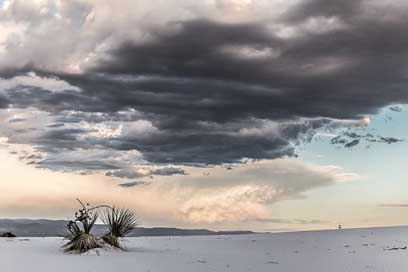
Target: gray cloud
[[168, 171], [396, 108], [145, 172], [207, 91], [350, 139], [133, 184], [122, 173]]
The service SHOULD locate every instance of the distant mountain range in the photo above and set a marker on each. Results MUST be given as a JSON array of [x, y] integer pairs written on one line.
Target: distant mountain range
[[56, 228]]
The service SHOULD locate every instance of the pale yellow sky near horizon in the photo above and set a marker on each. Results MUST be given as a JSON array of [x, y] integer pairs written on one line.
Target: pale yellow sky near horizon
[[278, 195]]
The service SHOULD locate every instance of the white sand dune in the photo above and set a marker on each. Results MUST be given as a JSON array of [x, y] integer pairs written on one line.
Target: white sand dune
[[377, 249]]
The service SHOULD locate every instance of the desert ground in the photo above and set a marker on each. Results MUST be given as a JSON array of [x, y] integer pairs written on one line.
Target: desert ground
[[375, 249]]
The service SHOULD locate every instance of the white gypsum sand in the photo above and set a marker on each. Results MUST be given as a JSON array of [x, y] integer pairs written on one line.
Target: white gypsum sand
[[376, 249]]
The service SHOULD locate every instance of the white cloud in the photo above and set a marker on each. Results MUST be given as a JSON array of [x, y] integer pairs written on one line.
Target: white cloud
[[251, 52], [237, 5], [138, 129], [314, 25], [239, 203], [129, 130], [31, 79], [265, 128], [339, 123], [108, 156], [102, 130], [245, 193]]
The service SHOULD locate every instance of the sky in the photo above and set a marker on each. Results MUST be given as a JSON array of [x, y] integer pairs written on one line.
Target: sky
[[267, 115]]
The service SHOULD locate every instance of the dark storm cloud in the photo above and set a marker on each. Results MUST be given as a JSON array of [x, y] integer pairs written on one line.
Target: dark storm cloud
[[204, 148], [191, 51], [343, 74], [4, 102], [61, 139], [27, 96], [207, 86]]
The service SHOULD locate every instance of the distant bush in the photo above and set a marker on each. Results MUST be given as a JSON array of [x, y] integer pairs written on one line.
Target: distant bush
[[7, 235]]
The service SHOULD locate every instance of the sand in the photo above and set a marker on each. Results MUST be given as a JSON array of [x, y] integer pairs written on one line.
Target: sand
[[379, 249]]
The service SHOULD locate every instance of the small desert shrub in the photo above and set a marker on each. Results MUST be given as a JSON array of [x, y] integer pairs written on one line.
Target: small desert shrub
[[120, 222], [80, 238], [82, 243]]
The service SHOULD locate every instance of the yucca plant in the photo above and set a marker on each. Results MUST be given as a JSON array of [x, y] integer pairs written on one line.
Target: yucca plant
[[79, 231], [120, 222]]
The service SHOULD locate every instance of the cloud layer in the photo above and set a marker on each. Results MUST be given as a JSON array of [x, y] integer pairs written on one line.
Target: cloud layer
[[197, 83], [212, 198]]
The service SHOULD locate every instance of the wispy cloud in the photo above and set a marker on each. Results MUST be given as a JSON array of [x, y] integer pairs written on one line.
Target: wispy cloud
[[292, 221], [393, 205], [223, 196]]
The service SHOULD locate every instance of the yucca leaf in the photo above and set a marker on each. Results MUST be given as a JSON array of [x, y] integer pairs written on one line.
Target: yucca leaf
[[120, 222]]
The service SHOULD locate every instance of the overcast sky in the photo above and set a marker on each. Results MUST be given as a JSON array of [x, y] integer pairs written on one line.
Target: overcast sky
[[245, 114]]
